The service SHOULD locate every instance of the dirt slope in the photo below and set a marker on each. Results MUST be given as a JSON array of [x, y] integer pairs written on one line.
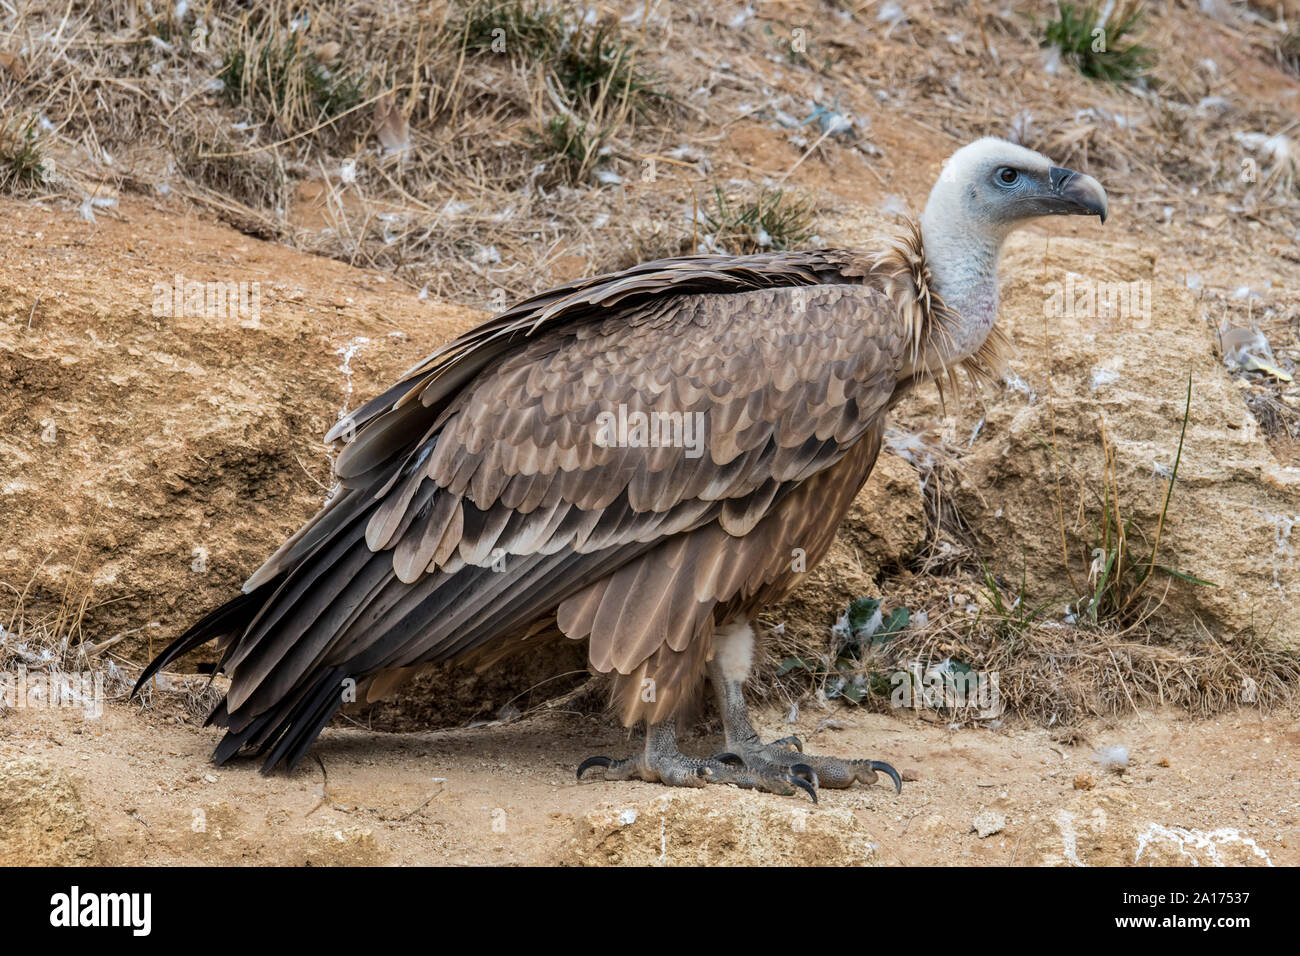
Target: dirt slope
[[154, 461]]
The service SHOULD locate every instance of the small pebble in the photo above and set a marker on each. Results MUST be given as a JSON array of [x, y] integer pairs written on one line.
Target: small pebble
[[988, 823]]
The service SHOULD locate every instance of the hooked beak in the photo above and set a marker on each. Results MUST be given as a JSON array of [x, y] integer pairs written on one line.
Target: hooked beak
[[1078, 194]]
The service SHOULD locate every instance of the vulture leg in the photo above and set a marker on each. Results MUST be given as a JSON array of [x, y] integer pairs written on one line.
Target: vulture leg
[[733, 651], [663, 762]]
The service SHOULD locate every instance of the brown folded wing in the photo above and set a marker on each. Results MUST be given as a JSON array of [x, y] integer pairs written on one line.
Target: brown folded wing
[[492, 488]]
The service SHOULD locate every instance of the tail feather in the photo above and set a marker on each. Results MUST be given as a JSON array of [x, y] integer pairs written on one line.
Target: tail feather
[[324, 704], [292, 724], [223, 622], [288, 728]]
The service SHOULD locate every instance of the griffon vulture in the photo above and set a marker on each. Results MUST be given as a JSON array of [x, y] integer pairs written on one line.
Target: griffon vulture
[[636, 460]]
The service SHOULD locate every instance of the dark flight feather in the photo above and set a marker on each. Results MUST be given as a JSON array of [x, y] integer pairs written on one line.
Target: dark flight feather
[[479, 503]]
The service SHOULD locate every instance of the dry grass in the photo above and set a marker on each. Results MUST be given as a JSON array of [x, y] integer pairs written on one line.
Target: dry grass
[[281, 80], [499, 137], [1111, 651], [53, 648], [1048, 673], [23, 168], [773, 219], [434, 149], [1051, 673]]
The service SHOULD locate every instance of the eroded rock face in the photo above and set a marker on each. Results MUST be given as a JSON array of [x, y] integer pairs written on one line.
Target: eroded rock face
[[886, 523], [1126, 373], [42, 819], [155, 460], [721, 826]]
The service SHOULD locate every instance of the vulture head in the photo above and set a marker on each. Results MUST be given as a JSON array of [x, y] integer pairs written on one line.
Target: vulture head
[[986, 190]]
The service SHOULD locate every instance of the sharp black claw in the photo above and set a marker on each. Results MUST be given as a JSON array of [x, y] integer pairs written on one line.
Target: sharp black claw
[[590, 762], [886, 768], [805, 786], [805, 772], [793, 741], [734, 760]]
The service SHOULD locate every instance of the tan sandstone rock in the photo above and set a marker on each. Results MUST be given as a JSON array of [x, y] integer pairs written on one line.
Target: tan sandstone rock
[[721, 826], [1111, 827], [1233, 504], [42, 819]]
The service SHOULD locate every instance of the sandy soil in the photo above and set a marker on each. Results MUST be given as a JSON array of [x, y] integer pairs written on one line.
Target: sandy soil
[[1198, 791]]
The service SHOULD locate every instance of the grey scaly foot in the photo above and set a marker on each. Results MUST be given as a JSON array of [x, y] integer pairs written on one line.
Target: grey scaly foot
[[663, 762], [832, 772], [733, 652]]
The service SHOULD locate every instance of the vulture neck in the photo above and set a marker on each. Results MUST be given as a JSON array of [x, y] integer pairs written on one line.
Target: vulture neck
[[962, 256]]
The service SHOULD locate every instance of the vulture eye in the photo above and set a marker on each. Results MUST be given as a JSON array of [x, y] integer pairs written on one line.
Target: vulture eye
[[1008, 176]]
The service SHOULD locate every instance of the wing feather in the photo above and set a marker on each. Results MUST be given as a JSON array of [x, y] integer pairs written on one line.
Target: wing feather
[[753, 382]]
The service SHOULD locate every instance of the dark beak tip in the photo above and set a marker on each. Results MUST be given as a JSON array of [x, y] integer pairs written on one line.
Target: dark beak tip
[[1083, 192]]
